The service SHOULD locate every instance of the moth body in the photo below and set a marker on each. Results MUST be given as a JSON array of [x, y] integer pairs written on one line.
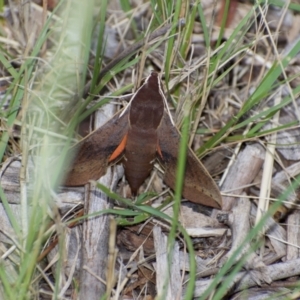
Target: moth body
[[139, 154], [146, 112]]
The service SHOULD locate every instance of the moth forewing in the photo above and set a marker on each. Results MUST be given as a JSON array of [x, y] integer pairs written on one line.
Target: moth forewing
[[93, 152], [198, 185]]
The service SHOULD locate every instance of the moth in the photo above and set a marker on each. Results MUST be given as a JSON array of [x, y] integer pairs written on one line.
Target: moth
[[142, 134]]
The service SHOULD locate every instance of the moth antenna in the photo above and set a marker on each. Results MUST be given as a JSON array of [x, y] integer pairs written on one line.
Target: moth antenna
[[127, 106], [165, 101]]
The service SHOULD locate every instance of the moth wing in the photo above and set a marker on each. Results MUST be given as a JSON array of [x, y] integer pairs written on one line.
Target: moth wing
[[198, 185], [93, 152]]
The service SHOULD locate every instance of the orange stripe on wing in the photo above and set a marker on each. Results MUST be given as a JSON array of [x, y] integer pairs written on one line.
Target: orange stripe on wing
[[119, 149], [159, 151]]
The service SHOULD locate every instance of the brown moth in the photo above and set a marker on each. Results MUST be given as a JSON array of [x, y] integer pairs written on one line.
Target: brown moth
[[140, 134]]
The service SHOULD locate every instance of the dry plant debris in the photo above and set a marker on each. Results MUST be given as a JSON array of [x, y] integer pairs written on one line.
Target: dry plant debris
[[249, 129]]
